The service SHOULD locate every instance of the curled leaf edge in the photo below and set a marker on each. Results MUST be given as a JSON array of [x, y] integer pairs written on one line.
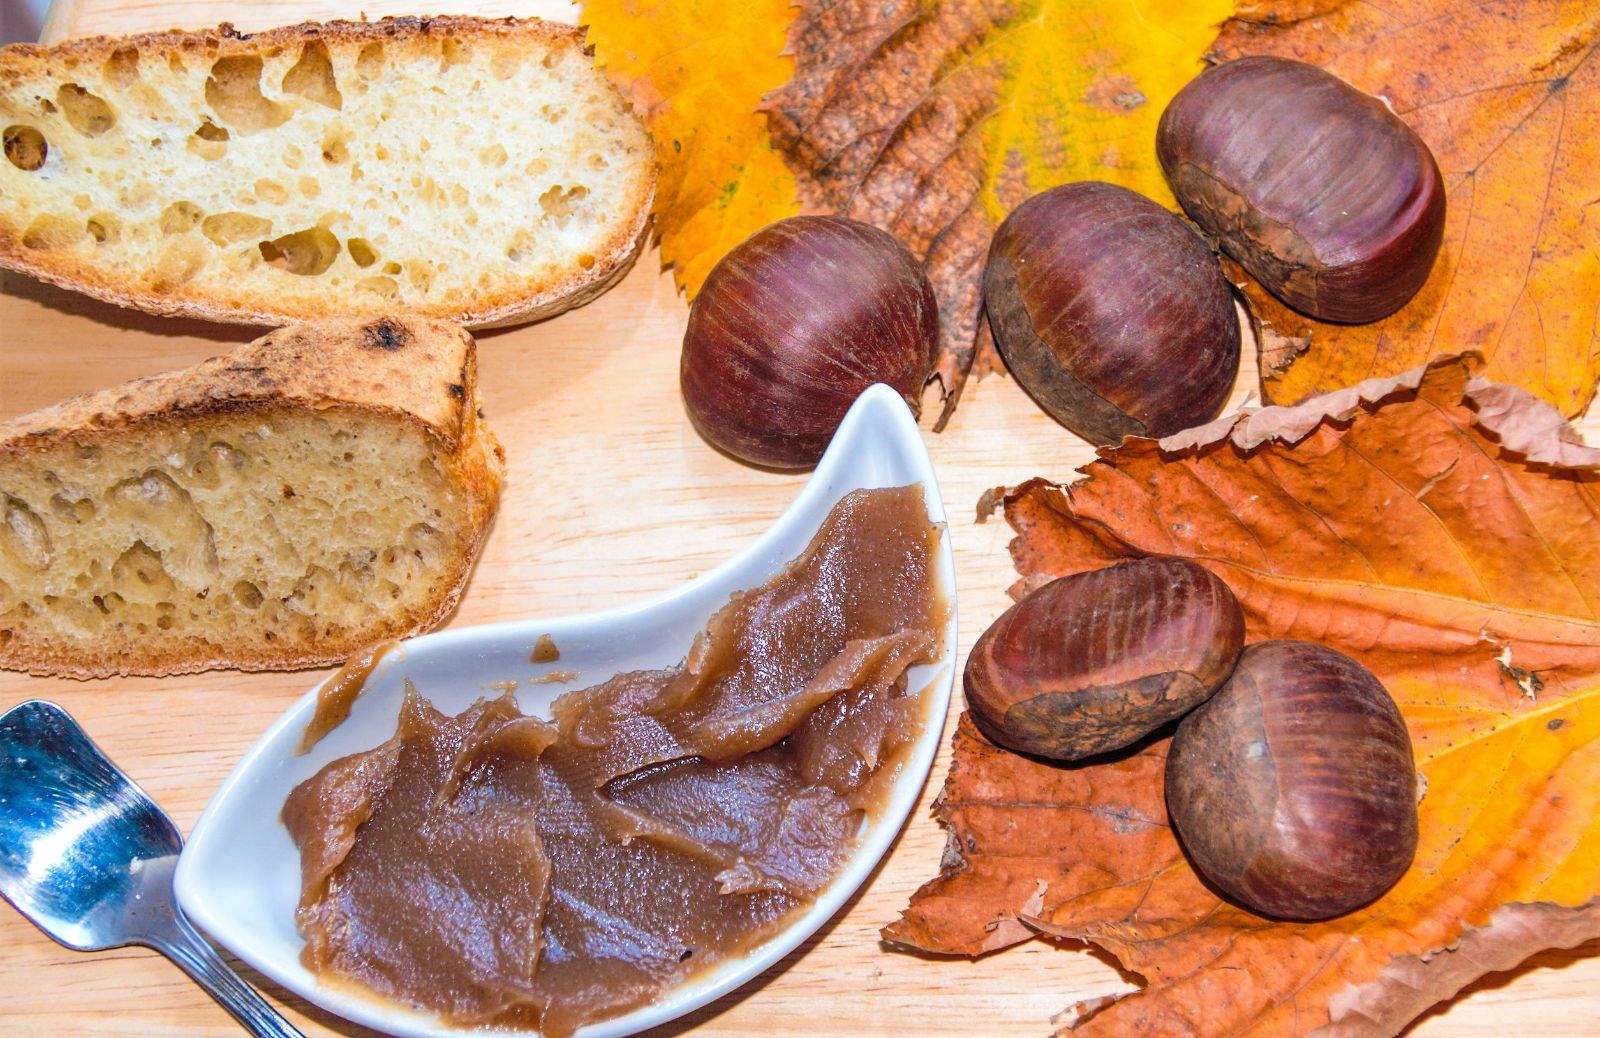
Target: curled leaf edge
[[1402, 990]]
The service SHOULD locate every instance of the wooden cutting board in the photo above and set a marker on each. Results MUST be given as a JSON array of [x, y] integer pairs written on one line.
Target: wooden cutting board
[[611, 496]]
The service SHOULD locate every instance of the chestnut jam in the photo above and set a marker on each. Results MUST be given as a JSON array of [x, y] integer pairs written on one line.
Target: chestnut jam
[[504, 870]]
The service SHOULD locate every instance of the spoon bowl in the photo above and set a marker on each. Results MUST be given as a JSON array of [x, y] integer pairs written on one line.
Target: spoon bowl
[[88, 857], [239, 879], [80, 836]]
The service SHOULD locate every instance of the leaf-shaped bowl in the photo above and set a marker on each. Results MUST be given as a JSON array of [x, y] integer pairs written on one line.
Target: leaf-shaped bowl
[[239, 876]]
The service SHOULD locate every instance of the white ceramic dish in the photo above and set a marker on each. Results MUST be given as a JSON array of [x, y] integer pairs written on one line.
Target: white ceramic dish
[[239, 876]]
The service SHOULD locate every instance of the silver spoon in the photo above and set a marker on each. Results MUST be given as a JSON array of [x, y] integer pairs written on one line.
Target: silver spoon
[[88, 857]]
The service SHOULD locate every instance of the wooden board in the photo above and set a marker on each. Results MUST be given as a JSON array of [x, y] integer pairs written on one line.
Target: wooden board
[[610, 496]]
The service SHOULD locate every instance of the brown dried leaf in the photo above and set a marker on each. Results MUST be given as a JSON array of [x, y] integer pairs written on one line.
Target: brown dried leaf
[[1436, 526], [1411, 983]]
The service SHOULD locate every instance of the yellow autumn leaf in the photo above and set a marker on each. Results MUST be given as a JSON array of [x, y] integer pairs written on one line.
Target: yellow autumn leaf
[[697, 70], [1508, 99], [1085, 84]]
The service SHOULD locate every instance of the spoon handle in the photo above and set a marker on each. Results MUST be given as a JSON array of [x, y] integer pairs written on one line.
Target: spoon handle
[[197, 958]]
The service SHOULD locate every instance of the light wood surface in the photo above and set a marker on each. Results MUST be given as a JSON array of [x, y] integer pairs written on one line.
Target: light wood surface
[[611, 496]]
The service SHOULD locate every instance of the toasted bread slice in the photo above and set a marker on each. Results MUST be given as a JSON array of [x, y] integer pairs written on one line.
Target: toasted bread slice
[[478, 171], [323, 487]]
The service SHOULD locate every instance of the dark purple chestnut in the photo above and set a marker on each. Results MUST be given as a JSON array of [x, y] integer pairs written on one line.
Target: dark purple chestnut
[[1094, 661], [1293, 789], [792, 325], [1321, 192], [1111, 312]]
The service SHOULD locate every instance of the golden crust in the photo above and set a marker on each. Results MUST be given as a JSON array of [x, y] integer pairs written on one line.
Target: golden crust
[[533, 301], [417, 370]]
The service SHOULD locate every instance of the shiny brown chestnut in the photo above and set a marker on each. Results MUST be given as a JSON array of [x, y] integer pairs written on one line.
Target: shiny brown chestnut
[[1321, 192], [1293, 789], [1111, 312], [1094, 661], [792, 325]]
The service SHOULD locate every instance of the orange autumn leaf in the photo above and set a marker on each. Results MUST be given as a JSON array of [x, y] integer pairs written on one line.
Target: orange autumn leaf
[[697, 70], [933, 118], [1438, 527], [1507, 95]]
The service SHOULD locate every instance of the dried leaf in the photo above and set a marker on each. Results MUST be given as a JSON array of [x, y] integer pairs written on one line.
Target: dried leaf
[[697, 70], [933, 119], [1508, 97], [1026, 837], [1436, 526], [1411, 983]]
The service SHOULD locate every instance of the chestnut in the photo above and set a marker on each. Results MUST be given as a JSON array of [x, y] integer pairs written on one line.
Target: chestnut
[[1091, 662], [1321, 192], [1293, 789], [790, 327], [1111, 312]]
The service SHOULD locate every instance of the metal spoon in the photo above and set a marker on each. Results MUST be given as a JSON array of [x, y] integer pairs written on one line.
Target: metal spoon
[[88, 857]]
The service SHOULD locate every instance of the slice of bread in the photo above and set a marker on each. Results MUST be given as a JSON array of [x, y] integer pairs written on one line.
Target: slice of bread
[[482, 172], [323, 487]]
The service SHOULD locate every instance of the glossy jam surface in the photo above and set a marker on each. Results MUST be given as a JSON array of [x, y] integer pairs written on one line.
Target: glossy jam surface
[[500, 869], [339, 693]]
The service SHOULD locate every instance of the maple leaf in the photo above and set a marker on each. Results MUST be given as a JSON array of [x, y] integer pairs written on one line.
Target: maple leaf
[[1507, 95], [1436, 526], [933, 120], [696, 70]]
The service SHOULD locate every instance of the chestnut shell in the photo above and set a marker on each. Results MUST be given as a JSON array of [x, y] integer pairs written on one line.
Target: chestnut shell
[[789, 328], [1111, 312], [1321, 192], [1092, 662], [1293, 789]]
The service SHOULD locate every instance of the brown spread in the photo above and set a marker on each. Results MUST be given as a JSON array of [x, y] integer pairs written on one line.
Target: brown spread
[[544, 650], [503, 870], [339, 694]]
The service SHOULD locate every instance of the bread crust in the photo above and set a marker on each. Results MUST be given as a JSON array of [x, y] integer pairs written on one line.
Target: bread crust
[[535, 301], [416, 370]]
